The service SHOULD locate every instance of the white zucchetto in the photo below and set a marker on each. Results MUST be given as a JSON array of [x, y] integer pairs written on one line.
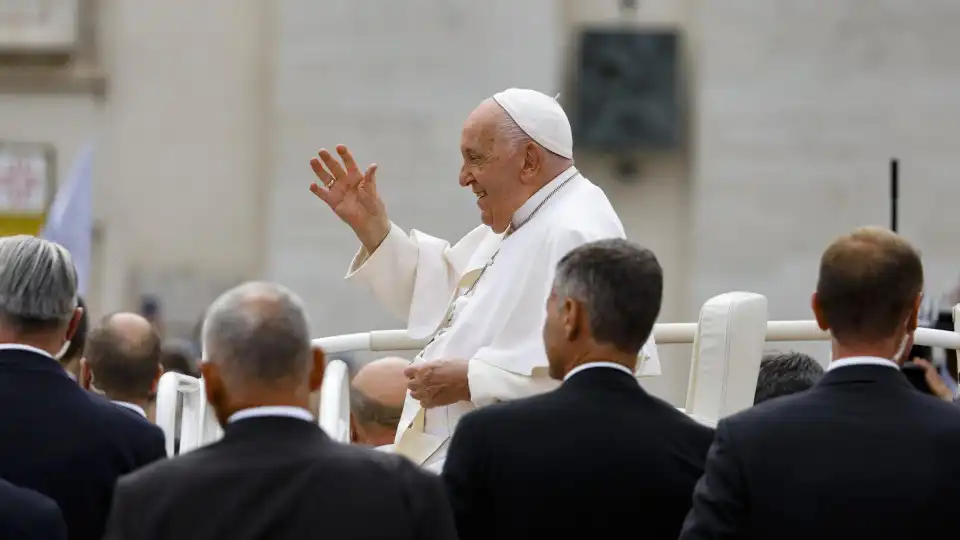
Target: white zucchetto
[[540, 117]]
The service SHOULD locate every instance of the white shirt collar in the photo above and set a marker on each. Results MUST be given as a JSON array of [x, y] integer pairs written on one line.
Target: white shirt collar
[[259, 412], [21, 347], [132, 406], [611, 365], [534, 201], [861, 361]]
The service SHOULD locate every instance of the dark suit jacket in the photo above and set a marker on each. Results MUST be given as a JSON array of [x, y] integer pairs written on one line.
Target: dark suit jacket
[[65, 442], [279, 478], [28, 515], [860, 455], [596, 458]]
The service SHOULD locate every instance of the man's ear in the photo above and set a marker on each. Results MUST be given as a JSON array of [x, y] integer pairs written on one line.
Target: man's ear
[[571, 313], [317, 369], [914, 321], [86, 374], [354, 435], [74, 324], [532, 162], [156, 379], [818, 313]]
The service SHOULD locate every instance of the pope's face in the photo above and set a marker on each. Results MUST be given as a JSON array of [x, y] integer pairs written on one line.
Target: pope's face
[[491, 168]]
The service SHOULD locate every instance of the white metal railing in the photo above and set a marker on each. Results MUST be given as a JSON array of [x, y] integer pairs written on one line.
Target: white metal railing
[[663, 333]]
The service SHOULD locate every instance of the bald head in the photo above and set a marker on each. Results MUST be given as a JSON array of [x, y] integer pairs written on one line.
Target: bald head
[[259, 335], [377, 394], [383, 381], [123, 354], [869, 285]]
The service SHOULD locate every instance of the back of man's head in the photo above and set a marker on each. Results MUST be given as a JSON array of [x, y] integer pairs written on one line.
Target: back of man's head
[[782, 374], [257, 350], [123, 356], [869, 287], [377, 393], [620, 286], [38, 293]]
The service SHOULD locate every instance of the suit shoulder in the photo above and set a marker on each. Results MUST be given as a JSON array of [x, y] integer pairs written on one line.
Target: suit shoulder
[[163, 470], [371, 462], [511, 408], [508, 412], [26, 503]]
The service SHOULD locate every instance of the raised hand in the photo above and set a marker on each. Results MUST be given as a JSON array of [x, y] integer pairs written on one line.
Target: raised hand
[[351, 195]]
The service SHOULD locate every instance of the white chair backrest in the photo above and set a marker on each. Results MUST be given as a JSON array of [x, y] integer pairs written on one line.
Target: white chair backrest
[[334, 415], [727, 348], [198, 424], [168, 415]]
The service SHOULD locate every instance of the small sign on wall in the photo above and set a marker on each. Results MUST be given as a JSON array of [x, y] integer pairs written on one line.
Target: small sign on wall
[[39, 26], [26, 186]]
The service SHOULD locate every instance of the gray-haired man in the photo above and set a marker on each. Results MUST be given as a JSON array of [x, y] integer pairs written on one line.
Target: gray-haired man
[[57, 438], [259, 369]]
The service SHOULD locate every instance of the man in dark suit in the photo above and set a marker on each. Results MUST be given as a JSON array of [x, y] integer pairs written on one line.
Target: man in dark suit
[[28, 515], [860, 455], [57, 438], [275, 474], [123, 362], [598, 456]]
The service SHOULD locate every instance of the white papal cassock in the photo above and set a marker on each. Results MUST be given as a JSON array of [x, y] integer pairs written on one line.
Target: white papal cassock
[[498, 326]]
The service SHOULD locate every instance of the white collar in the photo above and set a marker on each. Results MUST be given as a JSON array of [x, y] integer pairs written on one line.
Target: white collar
[[132, 406], [22, 347], [611, 365], [524, 212], [259, 412], [861, 361], [384, 448]]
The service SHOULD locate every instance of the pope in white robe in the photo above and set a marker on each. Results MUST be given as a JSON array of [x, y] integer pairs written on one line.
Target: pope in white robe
[[482, 300]]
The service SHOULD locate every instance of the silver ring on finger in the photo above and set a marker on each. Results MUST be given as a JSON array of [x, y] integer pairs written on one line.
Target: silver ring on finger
[[332, 182]]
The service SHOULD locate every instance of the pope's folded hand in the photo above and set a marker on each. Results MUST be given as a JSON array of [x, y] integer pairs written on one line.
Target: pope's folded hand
[[439, 383]]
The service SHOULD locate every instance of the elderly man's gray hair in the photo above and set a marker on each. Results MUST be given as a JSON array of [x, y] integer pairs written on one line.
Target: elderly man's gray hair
[[258, 332], [38, 283]]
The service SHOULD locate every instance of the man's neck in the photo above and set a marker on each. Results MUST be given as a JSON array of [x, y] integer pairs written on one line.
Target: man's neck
[[298, 399], [601, 353], [44, 344], [885, 351], [143, 403]]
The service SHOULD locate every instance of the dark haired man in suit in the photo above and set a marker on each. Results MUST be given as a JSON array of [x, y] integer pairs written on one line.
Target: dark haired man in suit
[[862, 454], [598, 456]]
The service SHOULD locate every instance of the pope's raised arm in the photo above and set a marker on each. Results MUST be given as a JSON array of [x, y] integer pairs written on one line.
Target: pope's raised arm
[[396, 267]]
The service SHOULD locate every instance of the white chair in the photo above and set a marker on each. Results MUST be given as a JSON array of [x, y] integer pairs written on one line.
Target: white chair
[[727, 347], [173, 420], [334, 415], [198, 424]]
